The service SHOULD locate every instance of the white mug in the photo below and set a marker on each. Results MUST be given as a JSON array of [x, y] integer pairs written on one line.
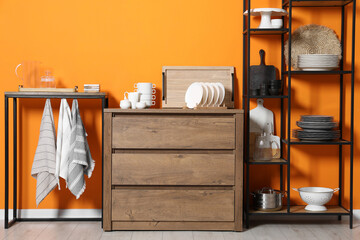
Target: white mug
[[145, 88], [133, 96], [149, 103], [133, 104], [147, 97], [145, 91], [144, 85]]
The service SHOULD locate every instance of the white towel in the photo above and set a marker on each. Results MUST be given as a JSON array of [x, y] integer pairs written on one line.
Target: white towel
[[43, 168], [80, 160], [63, 141]]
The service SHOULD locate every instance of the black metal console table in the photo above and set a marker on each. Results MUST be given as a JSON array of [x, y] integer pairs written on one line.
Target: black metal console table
[[15, 96]]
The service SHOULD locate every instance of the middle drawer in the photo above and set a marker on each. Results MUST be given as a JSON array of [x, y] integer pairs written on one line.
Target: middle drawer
[[173, 169]]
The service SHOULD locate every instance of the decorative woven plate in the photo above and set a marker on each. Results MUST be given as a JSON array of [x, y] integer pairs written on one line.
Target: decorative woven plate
[[312, 39]]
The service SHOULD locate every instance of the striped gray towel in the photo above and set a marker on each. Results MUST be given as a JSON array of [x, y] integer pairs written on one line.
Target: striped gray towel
[[43, 168], [80, 161]]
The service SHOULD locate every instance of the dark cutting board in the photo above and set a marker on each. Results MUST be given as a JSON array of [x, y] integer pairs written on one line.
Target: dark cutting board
[[262, 73]]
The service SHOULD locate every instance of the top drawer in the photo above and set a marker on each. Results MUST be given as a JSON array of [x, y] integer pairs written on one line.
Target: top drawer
[[173, 132]]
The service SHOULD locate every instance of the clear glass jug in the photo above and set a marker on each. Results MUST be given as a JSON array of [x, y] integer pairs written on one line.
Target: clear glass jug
[[263, 148], [48, 81], [29, 73]]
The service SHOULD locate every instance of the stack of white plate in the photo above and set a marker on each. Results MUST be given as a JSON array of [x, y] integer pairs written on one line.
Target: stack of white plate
[[200, 94], [318, 62]]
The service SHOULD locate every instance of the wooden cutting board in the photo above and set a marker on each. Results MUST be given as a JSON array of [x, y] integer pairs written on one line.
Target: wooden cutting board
[[176, 80], [262, 73]]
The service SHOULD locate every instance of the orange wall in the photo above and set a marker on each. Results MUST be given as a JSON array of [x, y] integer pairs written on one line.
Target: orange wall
[[118, 43]]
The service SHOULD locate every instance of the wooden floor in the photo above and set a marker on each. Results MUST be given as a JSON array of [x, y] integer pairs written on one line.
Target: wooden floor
[[323, 229]]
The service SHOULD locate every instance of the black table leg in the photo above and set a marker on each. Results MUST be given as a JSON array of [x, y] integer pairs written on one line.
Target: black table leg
[[15, 158], [6, 163]]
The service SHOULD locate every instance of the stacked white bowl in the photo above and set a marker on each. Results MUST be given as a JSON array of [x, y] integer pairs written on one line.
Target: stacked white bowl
[[147, 91], [318, 62]]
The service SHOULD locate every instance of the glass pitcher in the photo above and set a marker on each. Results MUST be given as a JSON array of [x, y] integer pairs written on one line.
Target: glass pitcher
[[29, 73], [263, 148]]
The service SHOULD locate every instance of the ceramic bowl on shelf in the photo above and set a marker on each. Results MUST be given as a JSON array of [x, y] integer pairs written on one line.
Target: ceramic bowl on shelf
[[316, 197], [276, 23]]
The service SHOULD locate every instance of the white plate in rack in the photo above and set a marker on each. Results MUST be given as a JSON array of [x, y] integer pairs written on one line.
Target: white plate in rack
[[211, 96], [222, 93], [194, 95], [205, 94], [217, 95]]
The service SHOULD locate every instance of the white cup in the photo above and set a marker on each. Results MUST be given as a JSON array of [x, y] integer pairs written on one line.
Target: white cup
[[276, 23], [149, 103], [133, 104], [145, 88], [133, 96], [147, 97]]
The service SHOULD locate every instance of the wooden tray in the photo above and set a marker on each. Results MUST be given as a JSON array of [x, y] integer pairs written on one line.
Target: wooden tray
[[176, 80], [22, 89]]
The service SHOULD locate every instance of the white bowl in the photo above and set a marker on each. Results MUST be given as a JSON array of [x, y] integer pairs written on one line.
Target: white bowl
[[316, 197], [276, 23]]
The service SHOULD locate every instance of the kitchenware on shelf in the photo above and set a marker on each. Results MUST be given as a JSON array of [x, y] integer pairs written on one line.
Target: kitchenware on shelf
[[216, 94], [275, 91], [316, 135], [263, 148], [193, 95], [145, 88], [261, 74], [312, 39], [254, 92], [264, 89], [318, 62], [276, 23], [317, 125], [222, 92], [316, 118], [47, 81], [140, 105], [275, 83], [260, 120], [268, 199], [91, 87], [211, 95], [176, 80], [266, 14], [133, 96], [260, 117], [205, 95], [29, 73], [316, 197], [147, 99], [125, 104]]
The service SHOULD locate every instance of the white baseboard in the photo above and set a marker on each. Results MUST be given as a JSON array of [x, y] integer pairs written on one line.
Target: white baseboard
[[55, 213], [77, 213]]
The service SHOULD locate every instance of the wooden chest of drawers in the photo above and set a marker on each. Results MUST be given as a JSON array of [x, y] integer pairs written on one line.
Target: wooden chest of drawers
[[170, 169]]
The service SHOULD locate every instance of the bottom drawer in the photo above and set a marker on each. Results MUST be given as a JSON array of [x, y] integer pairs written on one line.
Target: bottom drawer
[[172, 205]]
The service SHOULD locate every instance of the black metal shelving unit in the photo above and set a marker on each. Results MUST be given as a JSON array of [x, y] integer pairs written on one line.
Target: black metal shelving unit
[[38, 95], [285, 113]]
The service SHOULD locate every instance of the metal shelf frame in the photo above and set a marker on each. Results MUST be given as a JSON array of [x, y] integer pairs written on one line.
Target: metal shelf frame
[[38, 95], [285, 113]]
